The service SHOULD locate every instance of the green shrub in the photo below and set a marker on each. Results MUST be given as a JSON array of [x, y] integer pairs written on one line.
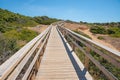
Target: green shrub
[[2, 28], [45, 20], [11, 41], [10, 20], [100, 37], [9, 45], [27, 35], [114, 31], [23, 34], [12, 34], [98, 30]]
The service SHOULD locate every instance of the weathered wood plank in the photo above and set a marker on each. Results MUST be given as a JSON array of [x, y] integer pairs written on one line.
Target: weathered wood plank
[[56, 63]]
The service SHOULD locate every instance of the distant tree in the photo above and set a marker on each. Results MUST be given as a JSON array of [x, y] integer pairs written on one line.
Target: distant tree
[[45, 20]]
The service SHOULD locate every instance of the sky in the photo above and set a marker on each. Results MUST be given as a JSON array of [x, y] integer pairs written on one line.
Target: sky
[[75, 10]]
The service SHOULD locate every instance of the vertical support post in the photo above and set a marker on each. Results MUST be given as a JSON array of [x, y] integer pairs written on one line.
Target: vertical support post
[[40, 59], [86, 62], [87, 59], [63, 32], [43, 49], [33, 76], [65, 35], [73, 46], [37, 66]]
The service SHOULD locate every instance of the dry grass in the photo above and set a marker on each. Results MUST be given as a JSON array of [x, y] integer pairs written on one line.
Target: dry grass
[[38, 28]]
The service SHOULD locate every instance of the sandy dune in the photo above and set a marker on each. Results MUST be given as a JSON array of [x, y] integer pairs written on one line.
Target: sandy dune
[[85, 29]]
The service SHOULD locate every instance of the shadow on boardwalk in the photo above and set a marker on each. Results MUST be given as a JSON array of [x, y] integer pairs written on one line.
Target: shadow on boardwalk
[[80, 73]]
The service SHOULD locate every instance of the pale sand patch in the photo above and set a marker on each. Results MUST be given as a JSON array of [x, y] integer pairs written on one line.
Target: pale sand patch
[[38, 28]]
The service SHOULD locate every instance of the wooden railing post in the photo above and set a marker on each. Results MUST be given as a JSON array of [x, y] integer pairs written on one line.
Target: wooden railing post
[[37, 65], [33, 76], [73, 46], [112, 56], [63, 32], [86, 62], [43, 49]]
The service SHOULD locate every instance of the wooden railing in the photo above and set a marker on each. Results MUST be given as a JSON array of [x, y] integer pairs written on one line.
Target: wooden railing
[[87, 45], [23, 65]]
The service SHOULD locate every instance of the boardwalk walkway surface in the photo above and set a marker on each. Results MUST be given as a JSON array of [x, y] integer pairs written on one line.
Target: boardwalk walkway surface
[[59, 61], [56, 64]]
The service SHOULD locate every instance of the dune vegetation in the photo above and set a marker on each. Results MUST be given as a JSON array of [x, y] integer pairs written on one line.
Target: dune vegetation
[[14, 32]]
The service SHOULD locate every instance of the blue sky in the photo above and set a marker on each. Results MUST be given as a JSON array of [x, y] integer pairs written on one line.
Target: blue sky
[[76, 10]]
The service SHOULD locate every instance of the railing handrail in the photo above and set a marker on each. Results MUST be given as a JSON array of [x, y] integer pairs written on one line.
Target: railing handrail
[[115, 52], [13, 61], [86, 46], [76, 58]]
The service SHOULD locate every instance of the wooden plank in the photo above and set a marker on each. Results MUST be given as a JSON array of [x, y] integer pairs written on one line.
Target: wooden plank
[[56, 63]]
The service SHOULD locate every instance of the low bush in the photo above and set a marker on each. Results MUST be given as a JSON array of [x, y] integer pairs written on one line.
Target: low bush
[[100, 37], [114, 31], [98, 30], [27, 35]]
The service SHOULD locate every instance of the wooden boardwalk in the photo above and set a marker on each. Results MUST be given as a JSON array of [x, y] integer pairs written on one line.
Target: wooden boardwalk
[[56, 64], [59, 61]]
